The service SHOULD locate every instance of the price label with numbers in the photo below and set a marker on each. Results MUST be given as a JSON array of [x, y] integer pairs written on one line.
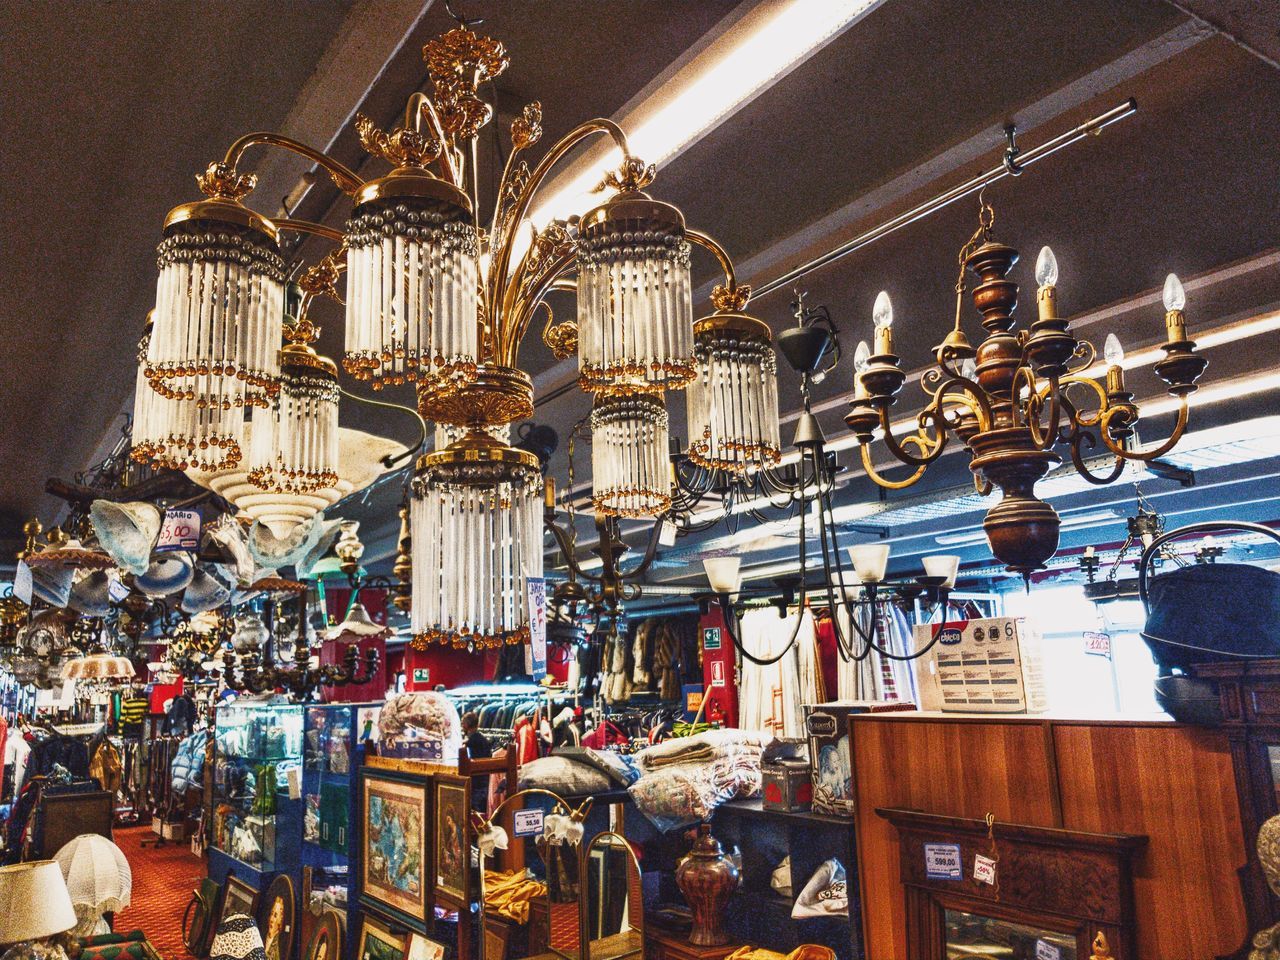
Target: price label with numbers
[[180, 531]]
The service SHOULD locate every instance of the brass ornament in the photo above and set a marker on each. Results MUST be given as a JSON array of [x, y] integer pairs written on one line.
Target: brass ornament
[[400, 146], [458, 62], [221, 182]]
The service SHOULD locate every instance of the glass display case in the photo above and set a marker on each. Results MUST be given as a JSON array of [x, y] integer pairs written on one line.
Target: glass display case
[[254, 821], [332, 752]]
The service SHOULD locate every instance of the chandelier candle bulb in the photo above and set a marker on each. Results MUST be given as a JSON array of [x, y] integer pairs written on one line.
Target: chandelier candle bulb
[[1175, 299], [1113, 353], [1047, 279], [861, 357], [882, 316]]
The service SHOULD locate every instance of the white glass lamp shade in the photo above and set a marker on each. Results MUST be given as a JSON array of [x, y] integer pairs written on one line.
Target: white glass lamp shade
[[36, 902], [297, 449], [476, 532], [629, 456], [412, 284], [219, 307], [635, 307], [723, 573], [99, 667], [942, 565], [732, 403], [870, 560]]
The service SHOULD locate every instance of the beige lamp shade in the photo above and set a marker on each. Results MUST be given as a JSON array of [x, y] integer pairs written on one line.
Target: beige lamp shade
[[723, 573], [870, 560], [98, 666], [36, 902]]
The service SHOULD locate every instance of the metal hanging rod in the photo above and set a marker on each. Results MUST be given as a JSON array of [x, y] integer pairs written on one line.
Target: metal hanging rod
[[1014, 162]]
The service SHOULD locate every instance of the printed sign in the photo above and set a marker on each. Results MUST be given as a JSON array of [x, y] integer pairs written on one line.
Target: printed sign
[[536, 653], [692, 700], [116, 589], [1098, 644], [950, 636], [942, 861], [717, 673], [984, 869], [527, 823], [22, 582], [180, 531], [421, 675], [711, 638], [1047, 951]]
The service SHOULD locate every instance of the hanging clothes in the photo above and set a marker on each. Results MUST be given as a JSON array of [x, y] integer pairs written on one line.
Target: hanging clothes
[[877, 677], [772, 697]]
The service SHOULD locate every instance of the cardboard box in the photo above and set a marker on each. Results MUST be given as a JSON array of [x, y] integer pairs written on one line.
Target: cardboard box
[[786, 785], [830, 765], [981, 666]]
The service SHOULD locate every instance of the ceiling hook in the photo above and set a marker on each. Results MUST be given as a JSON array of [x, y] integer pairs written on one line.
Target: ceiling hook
[[1012, 150], [462, 21]]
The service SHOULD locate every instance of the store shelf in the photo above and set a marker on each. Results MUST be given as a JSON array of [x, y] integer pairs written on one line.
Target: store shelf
[[755, 808]]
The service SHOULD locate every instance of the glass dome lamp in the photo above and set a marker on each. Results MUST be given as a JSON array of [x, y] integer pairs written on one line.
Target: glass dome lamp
[[476, 532]]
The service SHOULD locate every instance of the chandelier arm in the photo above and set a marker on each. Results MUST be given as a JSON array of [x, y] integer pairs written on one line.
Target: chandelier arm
[[885, 482], [1078, 417], [315, 229], [930, 450], [1075, 440], [650, 552], [344, 178], [844, 646], [501, 261], [707, 242], [1145, 456], [391, 460], [419, 105], [567, 548], [1035, 402], [518, 309]]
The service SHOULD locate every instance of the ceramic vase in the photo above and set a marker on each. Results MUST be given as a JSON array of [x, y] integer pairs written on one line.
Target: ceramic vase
[[707, 878]]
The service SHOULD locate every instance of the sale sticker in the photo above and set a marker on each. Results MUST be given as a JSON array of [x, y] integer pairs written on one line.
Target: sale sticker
[[942, 861], [984, 869], [527, 823], [180, 531]]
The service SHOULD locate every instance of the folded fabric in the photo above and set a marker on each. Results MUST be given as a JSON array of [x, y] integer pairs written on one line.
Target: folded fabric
[[566, 777], [509, 894], [622, 770], [806, 951], [780, 880], [701, 747], [825, 895]]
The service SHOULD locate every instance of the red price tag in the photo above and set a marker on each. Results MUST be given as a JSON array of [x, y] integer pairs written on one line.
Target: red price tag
[[180, 531]]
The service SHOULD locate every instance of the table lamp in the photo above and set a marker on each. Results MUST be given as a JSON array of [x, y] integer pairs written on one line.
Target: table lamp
[[37, 908]]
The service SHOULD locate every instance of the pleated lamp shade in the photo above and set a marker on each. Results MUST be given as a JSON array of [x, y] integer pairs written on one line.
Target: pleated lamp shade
[[35, 902]]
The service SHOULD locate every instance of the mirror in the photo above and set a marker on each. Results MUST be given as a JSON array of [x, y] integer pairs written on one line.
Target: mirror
[[612, 917], [970, 935], [558, 864]]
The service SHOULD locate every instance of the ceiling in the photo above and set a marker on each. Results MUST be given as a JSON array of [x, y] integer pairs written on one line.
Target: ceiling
[[911, 99]]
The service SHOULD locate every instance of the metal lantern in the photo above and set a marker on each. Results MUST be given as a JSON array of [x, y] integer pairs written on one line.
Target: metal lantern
[[476, 524], [732, 403], [412, 283], [630, 472], [635, 310]]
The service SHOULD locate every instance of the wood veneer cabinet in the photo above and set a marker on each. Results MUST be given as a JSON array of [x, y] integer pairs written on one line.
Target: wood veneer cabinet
[[1170, 783]]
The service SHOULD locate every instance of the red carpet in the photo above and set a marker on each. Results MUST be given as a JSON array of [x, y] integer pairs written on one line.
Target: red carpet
[[163, 878]]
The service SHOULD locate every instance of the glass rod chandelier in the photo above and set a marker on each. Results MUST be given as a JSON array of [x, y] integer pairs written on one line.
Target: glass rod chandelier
[[435, 298]]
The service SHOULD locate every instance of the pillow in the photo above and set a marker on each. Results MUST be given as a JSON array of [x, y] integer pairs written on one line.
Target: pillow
[[563, 776], [616, 767]]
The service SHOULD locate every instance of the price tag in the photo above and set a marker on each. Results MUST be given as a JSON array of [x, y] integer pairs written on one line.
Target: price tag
[[984, 869], [1047, 951], [942, 861], [527, 823], [180, 531], [1098, 644], [116, 590]]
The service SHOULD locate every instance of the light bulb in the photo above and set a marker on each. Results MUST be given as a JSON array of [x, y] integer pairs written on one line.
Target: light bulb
[[969, 369], [1175, 298], [1046, 268], [861, 356], [1112, 352], [882, 312]]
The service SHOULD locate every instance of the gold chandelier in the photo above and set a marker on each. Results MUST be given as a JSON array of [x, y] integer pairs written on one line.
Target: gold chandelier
[[436, 298]]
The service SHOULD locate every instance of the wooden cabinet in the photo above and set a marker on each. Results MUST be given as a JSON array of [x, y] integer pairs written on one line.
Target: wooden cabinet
[[1171, 783]]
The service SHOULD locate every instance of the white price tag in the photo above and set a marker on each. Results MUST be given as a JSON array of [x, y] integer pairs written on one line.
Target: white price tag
[[527, 823], [1047, 951], [984, 869], [1097, 643], [180, 531], [942, 861]]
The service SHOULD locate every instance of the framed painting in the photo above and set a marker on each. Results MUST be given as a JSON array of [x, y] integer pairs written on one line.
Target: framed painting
[[452, 847], [237, 897], [276, 919], [420, 948], [377, 942], [326, 942], [394, 846]]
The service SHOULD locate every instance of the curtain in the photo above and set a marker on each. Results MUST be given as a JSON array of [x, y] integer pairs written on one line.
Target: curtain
[[876, 677], [771, 697]]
